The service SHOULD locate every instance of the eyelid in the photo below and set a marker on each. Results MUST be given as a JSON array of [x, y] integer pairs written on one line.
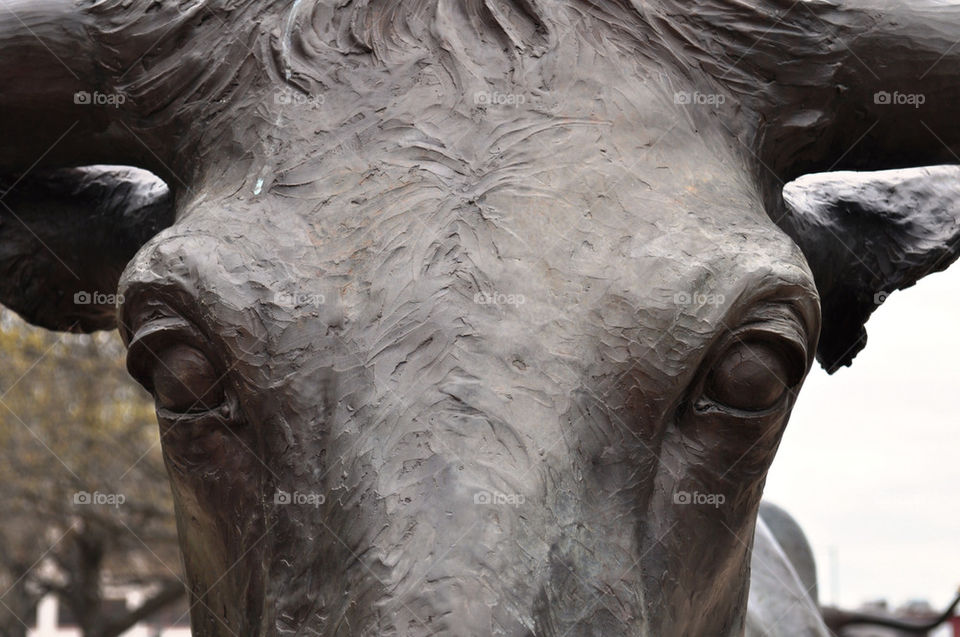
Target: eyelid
[[152, 338], [776, 323], [706, 406], [220, 415], [785, 345], [183, 433]]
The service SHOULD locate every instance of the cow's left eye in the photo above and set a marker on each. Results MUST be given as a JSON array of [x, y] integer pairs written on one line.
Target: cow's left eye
[[753, 375]]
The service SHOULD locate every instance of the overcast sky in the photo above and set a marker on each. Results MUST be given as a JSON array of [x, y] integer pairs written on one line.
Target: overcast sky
[[870, 462]]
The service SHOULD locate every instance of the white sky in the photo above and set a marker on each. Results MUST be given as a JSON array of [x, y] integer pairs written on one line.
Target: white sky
[[870, 462]]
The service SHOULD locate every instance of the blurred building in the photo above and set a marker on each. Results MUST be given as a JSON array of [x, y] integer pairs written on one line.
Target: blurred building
[[55, 620], [915, 610]]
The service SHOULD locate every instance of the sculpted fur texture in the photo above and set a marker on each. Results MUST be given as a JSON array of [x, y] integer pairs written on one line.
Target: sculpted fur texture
[[482, 317]]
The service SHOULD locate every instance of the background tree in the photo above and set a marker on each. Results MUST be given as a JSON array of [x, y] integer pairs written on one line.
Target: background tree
[[87, 506]]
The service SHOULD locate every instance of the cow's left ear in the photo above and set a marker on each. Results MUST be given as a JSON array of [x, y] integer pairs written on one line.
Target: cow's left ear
[[866, 235], [67, 234]]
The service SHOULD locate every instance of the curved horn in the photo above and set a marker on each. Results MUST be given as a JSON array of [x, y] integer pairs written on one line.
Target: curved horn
[[834, 84], [49, 71], [866, 235], [110, 82], [65, 237]]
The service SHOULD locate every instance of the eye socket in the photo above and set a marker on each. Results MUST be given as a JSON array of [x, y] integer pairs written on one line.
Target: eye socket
[[185, 381], [753, 375], [181, 377]]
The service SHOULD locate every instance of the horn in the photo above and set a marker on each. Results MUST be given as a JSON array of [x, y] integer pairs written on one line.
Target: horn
[[65, 237], [866, 235]]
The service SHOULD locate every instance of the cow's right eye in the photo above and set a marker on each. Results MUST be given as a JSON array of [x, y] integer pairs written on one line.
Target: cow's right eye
[[185, 381], [166, 358]]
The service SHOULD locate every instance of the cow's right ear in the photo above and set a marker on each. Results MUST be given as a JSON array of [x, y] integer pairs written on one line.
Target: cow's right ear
[[866, 234], [66, 236]]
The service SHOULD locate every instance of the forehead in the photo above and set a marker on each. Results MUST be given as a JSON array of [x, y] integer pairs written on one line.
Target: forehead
[[588, 209], [544, 264], [582, 199]]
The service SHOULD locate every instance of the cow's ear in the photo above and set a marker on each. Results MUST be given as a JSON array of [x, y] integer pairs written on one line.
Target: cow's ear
[[65, 237], [866, 235]]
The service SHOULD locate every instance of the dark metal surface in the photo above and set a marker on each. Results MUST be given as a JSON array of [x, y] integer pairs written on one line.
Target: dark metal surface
[[474, 317]]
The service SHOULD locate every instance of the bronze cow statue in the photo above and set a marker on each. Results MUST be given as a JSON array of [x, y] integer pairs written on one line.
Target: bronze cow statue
[[475, 317]]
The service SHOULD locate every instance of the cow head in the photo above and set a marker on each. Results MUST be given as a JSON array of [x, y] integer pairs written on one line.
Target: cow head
[[468, 318]]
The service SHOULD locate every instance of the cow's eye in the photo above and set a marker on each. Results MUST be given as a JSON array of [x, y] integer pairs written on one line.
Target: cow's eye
[[165, 357], [753, 375], [184, 381]]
